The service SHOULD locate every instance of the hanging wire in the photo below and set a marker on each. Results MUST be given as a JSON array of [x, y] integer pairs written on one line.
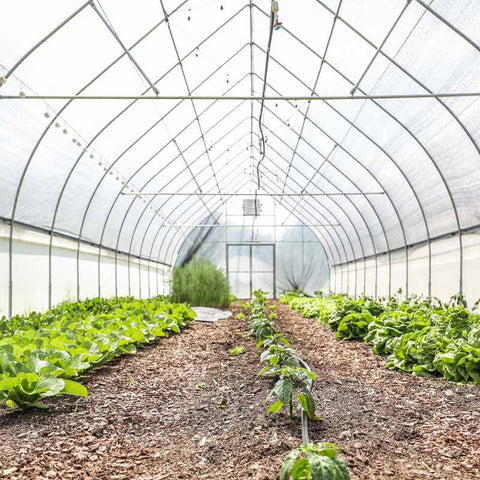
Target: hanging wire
[[262, 105]]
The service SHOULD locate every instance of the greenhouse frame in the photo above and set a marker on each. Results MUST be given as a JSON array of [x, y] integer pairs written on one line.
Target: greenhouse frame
[[289, 160], [372, 172]]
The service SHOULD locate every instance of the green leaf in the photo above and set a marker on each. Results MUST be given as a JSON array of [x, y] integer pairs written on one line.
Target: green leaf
[[276, 407], [237, 350], [307, 402], [288, 464], [301, 469], [74, 388], [49, 386], [325, 468], [283, 390]]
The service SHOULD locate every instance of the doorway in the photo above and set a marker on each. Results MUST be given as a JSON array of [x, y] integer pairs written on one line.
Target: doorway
[[250, 267]]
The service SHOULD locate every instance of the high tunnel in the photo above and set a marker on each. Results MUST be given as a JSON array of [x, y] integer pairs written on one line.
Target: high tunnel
[[313, 144]]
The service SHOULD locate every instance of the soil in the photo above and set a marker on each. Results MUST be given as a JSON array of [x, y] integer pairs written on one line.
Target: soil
[[184, 408], [390, 425]]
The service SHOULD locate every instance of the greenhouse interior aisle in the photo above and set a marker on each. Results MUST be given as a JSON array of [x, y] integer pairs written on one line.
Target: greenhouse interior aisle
[[186, 408], [310, 165]]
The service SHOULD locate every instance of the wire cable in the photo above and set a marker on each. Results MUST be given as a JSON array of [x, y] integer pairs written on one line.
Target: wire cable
[[262, 105]]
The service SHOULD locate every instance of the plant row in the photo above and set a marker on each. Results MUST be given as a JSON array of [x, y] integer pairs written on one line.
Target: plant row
[[418, 336], [294, 381], [41, 355]]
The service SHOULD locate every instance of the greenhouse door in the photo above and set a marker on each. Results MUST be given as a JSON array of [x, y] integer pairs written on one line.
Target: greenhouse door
[[251, 267]]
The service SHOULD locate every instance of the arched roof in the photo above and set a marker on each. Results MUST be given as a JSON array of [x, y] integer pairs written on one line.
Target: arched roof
[[395, 165]]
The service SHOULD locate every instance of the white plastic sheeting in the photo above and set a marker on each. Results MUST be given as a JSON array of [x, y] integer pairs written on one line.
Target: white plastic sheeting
[[373, 278], [65, 164], [100, 274], [284, 255]]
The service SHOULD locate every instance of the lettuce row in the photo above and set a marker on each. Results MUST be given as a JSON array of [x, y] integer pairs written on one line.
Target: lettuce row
[[417, 336], [41, 355]]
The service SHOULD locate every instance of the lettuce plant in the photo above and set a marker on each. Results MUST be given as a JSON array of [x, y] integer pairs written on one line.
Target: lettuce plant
[[419, 336], [40, 354]]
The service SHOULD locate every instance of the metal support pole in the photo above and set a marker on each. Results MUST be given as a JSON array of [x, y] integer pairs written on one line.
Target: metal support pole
[[379, 48], [238, 98], [223, 194], [124, 48]]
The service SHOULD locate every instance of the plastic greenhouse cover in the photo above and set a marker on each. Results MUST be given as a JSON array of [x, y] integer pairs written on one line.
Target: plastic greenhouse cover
[[66, 164]]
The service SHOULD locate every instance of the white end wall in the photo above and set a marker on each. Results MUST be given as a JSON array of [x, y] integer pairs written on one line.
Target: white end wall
[[30, 272], [372, 277]]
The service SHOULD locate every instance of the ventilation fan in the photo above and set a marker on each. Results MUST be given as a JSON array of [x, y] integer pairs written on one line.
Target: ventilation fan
[[249, 209]]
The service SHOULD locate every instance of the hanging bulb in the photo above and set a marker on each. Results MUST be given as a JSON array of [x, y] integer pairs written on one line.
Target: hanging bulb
[[47, 115], [65, 131], [221, 7], [57, 124], [22, 94], [275, 7]]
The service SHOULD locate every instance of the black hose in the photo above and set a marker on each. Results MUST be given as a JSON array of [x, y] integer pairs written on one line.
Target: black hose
[[262, 106]]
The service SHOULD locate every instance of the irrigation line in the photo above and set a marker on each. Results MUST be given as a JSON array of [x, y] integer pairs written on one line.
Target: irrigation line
[[304, 416]]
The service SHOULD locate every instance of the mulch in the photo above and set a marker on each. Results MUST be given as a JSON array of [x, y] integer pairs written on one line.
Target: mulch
[[184, 408], [390, 425]]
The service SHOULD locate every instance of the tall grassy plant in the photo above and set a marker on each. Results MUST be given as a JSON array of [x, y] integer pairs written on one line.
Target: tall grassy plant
[[201, 284]]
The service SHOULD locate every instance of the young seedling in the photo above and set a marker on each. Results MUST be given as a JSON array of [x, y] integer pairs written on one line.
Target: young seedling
[[292, 381], [223, 404], [236, 351], [201, 386], [314, 462]]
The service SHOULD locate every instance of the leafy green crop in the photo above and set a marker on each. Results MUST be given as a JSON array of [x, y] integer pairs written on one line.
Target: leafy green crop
[[314, 462], [41, 354], [354, 325], [27, 389], [418, 336]]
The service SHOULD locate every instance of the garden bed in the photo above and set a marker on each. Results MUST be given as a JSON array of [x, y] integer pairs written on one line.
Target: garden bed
[[159, 415], [148, 416], [389, 424]]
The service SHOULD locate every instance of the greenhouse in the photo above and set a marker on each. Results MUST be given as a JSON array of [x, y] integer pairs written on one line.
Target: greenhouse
[[240, 239]]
